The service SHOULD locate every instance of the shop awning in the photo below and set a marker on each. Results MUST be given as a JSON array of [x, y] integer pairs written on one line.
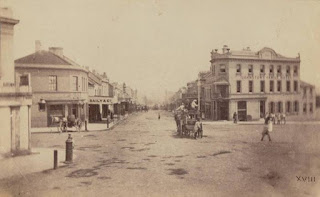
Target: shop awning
[[221, 83], [61, 102]]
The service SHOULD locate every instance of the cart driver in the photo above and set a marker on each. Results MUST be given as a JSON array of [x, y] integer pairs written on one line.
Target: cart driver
[[194, 104]]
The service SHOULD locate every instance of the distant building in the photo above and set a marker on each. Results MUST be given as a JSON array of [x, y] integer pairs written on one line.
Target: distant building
[[15, 94], [60, 86], [101, 98]]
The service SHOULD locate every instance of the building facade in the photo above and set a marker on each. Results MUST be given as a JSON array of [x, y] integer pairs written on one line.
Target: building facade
[[101, 98], [15, 94], [253, 83], [60, 86]]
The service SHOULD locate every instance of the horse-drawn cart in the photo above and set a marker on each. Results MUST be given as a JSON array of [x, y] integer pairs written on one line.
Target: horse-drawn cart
[[64, 123], [188, 124]]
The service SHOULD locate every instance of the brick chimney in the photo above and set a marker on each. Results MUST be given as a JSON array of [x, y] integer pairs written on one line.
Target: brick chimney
[[225, 49], [38, 46], [56, 50]]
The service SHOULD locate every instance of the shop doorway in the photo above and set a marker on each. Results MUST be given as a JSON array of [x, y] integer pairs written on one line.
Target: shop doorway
[[94, 113], [262, 109], [223, 110], [242, 110]]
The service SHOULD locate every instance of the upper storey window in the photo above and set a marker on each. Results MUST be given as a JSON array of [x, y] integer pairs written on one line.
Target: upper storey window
[[288, 70], [295, 70], [75, 83], [261, 69], [250, 69], [222, 68], [271, 70], [53, 82], [279, 69], [238, 68]]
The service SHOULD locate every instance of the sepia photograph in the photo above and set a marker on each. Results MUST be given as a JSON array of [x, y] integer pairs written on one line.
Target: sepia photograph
[[152, 98]]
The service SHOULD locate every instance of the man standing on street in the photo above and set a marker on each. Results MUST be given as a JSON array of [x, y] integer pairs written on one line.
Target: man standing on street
[[267, 128]]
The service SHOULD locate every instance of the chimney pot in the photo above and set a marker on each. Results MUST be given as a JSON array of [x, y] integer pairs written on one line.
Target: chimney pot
[[56, 50]]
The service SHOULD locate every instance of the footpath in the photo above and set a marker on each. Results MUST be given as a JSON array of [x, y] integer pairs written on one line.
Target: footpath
[[41, 159], [91, 127], [261, 121]]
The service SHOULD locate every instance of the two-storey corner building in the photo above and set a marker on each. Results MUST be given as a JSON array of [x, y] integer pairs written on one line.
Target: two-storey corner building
[[101, 98], [308, 100], [253, 83], [15, 94], [60, 86]]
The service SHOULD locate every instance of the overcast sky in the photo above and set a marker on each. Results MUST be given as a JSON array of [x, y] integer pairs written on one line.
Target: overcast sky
[[154, 45]]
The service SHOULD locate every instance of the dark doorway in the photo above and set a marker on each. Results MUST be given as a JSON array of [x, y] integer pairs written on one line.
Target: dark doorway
[[262, 109], [242, 110], [94, 113], [223, 110]]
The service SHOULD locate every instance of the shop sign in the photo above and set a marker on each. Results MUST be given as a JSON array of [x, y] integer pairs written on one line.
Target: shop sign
[[101, 100]]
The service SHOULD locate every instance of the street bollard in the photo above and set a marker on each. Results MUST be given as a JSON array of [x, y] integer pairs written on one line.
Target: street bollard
[[55, 159], [69, 149]]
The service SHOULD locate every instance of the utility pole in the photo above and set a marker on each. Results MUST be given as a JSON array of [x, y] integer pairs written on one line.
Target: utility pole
[[199, 95]]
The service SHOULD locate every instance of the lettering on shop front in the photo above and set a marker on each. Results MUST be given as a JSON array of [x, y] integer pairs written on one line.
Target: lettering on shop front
[[262, 76], [101, 100]]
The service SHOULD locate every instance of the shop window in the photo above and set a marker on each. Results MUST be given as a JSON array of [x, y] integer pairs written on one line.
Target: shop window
[[238, 86], [280, 107], [304, 92], [304, 108], [271, 107], [288, 107], [311, 107]]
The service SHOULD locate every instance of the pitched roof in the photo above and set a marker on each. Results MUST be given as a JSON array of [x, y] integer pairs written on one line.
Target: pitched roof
[[303, 83], [42, 57]]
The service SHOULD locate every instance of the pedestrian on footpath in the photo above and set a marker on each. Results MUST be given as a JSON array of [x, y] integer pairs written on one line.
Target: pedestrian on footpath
[[267, 128], [159, 116], [235, 117]]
